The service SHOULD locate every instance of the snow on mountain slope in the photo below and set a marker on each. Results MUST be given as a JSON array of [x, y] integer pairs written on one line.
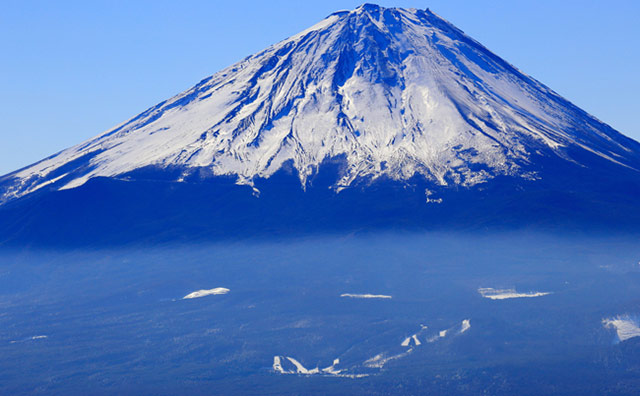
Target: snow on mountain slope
[[395, 92]]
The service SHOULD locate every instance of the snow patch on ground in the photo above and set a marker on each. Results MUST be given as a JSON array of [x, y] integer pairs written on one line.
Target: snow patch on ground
[[407, 341], [350, 295], [626, 326], [289, 365], [359, 368], [301, 369], [37, 337], [332, 369], [466, 325], [381, 359], [204, 293], [277, 365], [503, 294]]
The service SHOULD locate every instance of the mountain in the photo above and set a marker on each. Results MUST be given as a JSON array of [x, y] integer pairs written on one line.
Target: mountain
[[372, 118]]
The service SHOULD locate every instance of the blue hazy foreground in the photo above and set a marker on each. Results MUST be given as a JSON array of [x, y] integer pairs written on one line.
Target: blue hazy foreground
[[376, 205], [514, 314]]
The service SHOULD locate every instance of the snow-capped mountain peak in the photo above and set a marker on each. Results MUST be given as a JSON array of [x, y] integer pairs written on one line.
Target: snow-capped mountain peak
[[393, 92]]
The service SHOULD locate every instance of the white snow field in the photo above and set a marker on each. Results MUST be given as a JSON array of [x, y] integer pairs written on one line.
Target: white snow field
[[626, 326], [204, 293], [504, 294]]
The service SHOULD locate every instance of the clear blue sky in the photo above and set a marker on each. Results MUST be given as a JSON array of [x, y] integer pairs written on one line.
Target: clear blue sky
[[72, 69]]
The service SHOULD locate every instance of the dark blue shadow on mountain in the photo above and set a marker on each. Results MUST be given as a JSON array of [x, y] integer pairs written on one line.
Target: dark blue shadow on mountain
[[148, 206]]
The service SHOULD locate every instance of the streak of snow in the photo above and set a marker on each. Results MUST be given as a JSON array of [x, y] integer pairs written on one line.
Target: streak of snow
[[381, 359], [301, 369], [204, 293], [350, 295], [503, 294]]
